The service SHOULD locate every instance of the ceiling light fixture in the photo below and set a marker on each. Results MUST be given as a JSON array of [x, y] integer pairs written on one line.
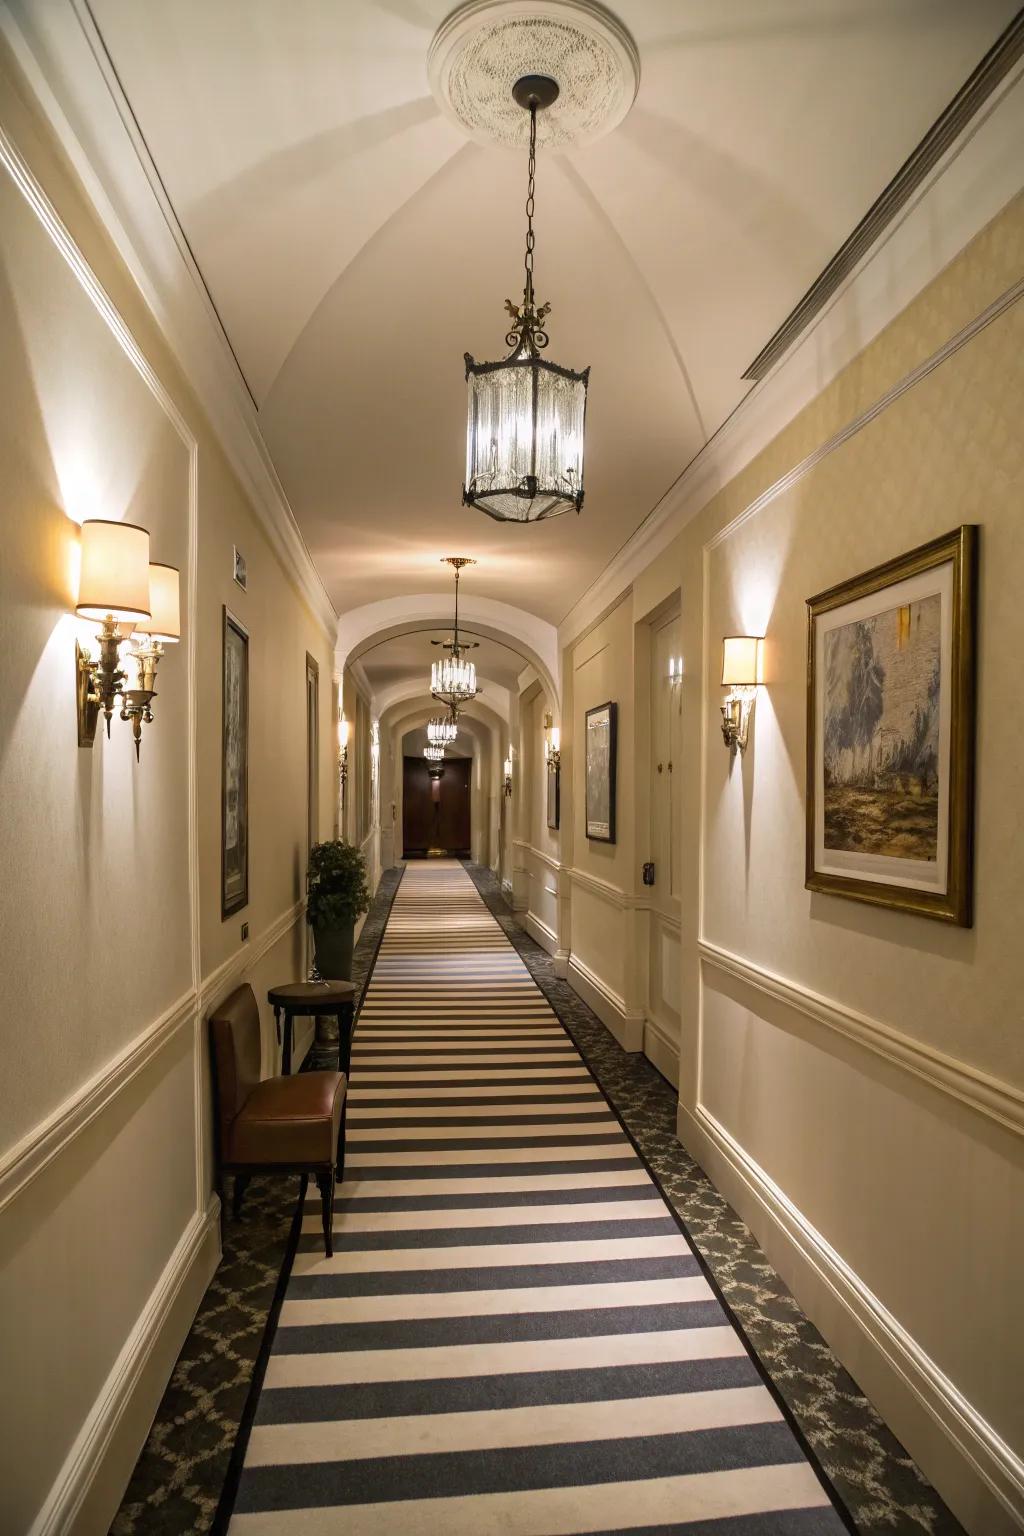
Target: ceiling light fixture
[[443, 730], [433, 753], [524, 435], [453, 680]]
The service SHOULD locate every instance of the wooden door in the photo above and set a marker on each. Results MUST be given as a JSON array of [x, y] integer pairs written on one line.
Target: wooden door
[[435, 812]]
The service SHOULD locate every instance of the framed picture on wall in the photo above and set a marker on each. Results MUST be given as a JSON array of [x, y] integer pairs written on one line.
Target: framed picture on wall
[[234, 857], [552, 775], [890, 732], [601, 744]]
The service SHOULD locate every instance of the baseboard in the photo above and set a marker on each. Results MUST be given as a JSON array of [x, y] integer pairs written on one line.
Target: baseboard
[[661, 1050], [541, 934], [972, 1468], [561, 965], [90, 1484], [628, 1028]]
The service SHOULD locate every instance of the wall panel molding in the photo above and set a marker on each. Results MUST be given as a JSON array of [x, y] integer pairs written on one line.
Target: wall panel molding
[[989, 1096], [984, 1480], [27, 1158]]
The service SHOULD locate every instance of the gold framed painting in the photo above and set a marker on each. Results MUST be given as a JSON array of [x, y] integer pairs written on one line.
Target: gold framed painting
[[890, 732]]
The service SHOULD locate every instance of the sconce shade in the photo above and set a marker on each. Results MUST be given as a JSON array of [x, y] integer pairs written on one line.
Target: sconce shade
[[741, 661], [555, 739], [342, 733], [164, 604], [115, 571]]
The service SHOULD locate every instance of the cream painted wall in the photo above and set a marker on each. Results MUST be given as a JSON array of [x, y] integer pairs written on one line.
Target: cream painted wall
[[114, 946], [852, 1078]]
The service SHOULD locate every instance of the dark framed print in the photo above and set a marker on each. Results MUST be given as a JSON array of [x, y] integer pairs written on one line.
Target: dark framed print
[[554, 795], [890, 732], [600, 761], [234, 857]]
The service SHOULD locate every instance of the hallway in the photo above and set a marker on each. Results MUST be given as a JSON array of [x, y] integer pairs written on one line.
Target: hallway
[[588, 650], [513, 1335]]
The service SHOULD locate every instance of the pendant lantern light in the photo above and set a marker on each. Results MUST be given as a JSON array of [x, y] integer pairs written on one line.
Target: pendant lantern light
[[524, 435], [443, 730], [453, 680]]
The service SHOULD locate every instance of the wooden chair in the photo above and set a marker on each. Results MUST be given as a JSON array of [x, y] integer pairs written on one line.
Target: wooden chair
[[277, 1124]]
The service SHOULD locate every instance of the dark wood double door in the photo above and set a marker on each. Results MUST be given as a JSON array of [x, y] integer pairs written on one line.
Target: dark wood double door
[[435, 812]]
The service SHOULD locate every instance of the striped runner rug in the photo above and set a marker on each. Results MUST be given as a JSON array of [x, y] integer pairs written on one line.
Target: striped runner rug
[[514, 1337]]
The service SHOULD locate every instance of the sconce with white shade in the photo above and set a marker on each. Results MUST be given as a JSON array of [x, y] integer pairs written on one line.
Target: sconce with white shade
[[127, 596], [552, 743], [507, 771], [342, 755], [742, 673], [149, 636]]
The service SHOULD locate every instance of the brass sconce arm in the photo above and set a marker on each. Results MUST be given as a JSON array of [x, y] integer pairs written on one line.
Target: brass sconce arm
[[99, 681], [737, 708]]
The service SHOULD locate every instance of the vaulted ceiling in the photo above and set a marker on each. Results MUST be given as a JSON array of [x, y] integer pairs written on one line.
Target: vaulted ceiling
[[355, 243]]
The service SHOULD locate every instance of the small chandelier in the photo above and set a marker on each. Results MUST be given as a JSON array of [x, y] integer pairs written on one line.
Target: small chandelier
[[524, 436], [443, 731], [453, 680], [433, 753]]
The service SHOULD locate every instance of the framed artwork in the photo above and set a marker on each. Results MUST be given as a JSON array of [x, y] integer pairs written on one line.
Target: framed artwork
[[890, 732], [553, 775], [234, 855], [601, 742]]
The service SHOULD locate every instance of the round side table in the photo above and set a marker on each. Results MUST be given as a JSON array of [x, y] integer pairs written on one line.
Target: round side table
[[306, 999]]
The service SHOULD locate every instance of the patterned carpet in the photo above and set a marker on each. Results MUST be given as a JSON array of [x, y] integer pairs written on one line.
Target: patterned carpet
[[513, 1337], [181, 1471]]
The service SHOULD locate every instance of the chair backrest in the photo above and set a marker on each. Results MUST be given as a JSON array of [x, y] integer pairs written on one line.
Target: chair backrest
[[235, 1040]]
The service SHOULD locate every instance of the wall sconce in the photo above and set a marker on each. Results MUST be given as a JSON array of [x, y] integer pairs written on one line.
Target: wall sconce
[[127, 596], [508, 773], [342, 753], [552, 743], [742, 672], [675, 670]]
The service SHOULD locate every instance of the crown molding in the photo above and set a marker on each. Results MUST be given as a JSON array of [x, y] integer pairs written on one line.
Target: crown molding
[[969, 186], [62, 56]]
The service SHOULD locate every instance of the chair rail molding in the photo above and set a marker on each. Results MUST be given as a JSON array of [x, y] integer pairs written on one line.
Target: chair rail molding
[[989, 1096], [625, 900]]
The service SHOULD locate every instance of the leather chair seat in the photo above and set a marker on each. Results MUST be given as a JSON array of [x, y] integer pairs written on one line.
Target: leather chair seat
[[291, 1120]]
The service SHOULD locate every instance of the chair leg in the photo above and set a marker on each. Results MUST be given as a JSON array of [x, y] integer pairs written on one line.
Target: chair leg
[[325, 1181], [242, 1181], [339, 1167]]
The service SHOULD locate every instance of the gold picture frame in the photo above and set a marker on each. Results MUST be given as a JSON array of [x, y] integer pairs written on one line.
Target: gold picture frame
[[890, 732]]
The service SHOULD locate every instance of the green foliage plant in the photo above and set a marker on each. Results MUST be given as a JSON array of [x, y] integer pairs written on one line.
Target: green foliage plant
[[336, 888]]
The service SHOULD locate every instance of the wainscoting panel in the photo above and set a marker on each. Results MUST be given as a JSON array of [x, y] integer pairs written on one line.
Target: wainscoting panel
[[918, 1178]]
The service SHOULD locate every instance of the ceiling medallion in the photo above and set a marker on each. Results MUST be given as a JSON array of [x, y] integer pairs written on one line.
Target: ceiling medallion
[[485, 46]]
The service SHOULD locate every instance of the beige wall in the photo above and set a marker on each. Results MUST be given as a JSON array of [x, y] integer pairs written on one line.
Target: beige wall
[[852, 1077], [113, 943]]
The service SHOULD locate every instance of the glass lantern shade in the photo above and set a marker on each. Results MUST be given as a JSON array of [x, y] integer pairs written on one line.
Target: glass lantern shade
[[441, 732], [453, 680], [524, 437]]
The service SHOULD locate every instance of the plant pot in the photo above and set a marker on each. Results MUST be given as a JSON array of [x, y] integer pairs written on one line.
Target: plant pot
[[333, 950]]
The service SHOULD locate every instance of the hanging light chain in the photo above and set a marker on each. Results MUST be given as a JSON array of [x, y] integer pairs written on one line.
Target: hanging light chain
[[531, 183]]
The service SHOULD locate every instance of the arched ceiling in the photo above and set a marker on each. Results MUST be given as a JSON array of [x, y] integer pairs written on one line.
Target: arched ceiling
[[355, 243]]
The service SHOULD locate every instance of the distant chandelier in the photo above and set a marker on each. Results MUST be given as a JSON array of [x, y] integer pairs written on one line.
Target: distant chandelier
[[443, 731], [453, 680], [433, 753], [524, 436]]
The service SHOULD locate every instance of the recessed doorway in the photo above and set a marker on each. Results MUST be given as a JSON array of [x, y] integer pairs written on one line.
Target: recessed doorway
[[435, 811]]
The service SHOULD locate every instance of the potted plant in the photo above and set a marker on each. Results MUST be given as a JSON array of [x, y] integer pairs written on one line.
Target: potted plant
[[336, 894]]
